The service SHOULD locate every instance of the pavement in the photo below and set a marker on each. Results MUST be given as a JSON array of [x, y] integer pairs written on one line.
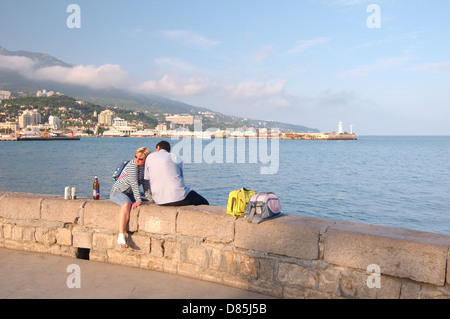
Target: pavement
[[28, 275]]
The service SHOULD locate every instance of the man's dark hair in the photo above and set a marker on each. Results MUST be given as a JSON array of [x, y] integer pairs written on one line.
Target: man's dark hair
[[164, 145]]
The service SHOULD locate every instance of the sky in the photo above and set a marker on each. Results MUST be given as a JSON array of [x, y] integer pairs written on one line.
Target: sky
[[382, 66]]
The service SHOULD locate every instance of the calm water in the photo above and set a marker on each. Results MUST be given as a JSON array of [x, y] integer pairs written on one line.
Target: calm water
[[392, 181]]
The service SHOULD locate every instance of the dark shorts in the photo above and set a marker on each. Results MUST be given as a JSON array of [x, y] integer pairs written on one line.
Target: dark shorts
[[192, 198]]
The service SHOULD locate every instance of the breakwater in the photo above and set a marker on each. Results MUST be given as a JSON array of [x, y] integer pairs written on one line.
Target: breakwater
[[288, 257]]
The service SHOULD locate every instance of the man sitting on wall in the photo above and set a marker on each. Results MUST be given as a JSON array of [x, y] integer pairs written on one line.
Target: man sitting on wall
[[165, 172]]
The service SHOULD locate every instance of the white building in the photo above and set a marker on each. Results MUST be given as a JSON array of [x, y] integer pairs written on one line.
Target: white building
[[44, 93], [55, 122], [106, 117], [183, 119], [4, 95], [118, 122], [29, 117], [341, 130]]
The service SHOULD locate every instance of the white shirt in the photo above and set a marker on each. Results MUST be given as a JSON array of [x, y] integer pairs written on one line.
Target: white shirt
[[165, 172]]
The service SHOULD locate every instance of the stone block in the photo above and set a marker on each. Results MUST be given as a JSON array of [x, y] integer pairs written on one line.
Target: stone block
[[293, 274], [99, 255], [21, 206], [400, 253], [172, 250], [61, 210], [103, 241], [216, 259], [209, 222], [28, 234], [157, 248], [293, 236], [45, 236], [358, 284], [17, 233], [189, 270], [123, 257], [248, 266], [159, 264], [268, 288], [157, 219], [195, 255], [64, 236], [266, 269], [82, 238], [235, 281], [139, 242], [101, 214], [7, 231], [329, 280]]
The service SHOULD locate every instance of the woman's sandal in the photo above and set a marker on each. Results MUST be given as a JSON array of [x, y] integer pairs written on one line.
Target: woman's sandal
[[123, 245]]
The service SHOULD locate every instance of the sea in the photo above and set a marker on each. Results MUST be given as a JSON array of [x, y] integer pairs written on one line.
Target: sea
[[396, 181]]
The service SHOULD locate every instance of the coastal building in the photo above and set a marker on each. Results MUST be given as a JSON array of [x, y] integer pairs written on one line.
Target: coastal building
[[106, 117], [29, 117], [9, 127], [340, 129], [4, 95], [45, 93], [54, 122], [161, 127], [118, 122], [183, 119]]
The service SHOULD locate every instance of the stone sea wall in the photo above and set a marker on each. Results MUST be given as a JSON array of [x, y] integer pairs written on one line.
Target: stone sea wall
[[288, 257]]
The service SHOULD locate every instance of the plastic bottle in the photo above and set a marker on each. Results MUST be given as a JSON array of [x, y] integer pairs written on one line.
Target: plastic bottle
[[96, 189]]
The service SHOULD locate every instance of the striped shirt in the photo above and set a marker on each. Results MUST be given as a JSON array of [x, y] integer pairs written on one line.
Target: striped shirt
[[131, 178]]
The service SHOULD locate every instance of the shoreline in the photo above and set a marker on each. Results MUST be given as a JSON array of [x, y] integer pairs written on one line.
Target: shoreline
[[305, 136]]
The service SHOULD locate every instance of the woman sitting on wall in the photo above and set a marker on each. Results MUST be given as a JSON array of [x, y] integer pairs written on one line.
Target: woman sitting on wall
[[126, 190]]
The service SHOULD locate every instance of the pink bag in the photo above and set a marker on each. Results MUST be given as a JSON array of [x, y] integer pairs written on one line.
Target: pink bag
[[262, 206]]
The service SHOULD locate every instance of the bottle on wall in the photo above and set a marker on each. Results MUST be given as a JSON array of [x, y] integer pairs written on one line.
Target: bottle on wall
[[96, 189]]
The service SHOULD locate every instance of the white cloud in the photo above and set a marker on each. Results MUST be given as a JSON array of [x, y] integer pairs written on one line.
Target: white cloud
[[304, 45], [259, 93], [108, 75], [248, 90], [260, 55], [175, 86], [329, 98], [378, 65], [438, 67], [173, 64], [20, 64], [280, 102], [190, 38]]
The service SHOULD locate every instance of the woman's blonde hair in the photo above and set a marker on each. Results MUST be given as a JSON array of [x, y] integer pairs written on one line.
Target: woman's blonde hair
[[143, 150]]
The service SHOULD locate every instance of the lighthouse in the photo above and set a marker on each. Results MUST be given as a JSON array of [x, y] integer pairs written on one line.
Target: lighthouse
[[340, 131]]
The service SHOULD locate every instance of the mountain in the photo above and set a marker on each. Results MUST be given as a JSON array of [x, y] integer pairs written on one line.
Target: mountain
[[14, 78], [42, 59]]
